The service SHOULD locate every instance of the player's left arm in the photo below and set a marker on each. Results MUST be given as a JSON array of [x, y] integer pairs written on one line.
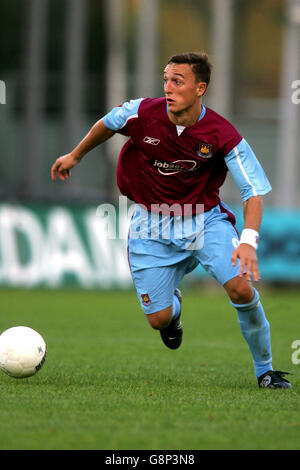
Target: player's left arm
[[246, 251], [253, 184]]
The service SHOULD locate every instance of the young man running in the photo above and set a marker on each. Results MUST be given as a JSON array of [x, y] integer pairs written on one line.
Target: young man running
[[172, 167]]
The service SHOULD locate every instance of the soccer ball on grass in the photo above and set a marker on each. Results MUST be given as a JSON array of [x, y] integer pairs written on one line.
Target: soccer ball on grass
[[22, 351]]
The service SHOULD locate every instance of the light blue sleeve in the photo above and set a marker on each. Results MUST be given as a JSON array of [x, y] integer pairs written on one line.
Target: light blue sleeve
[[246, 171], [118, 117]]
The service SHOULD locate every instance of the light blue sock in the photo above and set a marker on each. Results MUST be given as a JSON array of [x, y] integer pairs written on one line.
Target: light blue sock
[[256, 330], [176, 307]]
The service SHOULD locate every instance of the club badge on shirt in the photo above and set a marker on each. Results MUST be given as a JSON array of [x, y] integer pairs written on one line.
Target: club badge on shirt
[[204, 150]]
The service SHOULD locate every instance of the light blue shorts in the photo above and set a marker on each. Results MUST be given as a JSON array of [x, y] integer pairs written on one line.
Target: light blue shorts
[[160, 255]]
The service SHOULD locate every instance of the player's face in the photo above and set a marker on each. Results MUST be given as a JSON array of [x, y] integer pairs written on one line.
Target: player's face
[[181, 88]]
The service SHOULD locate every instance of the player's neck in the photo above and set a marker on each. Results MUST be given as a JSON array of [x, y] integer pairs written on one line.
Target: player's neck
[[187, 117]]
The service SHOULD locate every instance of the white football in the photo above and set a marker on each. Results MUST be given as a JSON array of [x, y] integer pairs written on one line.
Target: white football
[[22, 351]]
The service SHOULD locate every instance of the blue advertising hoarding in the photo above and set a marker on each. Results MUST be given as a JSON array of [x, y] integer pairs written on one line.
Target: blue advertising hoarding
[[55, 246]]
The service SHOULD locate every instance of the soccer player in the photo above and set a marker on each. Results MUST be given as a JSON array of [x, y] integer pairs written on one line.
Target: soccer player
[[173, 165]]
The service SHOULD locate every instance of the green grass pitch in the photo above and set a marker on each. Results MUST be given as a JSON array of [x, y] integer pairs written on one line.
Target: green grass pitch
[[110, 383]]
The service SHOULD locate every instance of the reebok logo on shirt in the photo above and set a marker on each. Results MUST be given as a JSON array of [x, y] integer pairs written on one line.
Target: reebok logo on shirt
[[151, 140]]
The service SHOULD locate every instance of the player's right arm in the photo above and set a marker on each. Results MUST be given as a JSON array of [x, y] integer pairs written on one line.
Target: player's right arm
[[98, 134], [105, 128]]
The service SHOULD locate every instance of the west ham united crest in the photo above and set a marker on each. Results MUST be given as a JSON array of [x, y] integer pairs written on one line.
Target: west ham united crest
[[146, 299], [205, 150]]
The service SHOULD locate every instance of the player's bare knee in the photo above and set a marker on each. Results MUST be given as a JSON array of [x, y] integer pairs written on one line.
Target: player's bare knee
[[239, 290], [160, 319], [243, 295]]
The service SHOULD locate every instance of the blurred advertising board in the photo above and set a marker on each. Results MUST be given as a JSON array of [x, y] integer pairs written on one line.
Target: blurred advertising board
[[58, 245]]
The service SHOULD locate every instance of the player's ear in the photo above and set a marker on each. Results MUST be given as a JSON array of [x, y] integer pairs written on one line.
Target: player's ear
[[201, 88]]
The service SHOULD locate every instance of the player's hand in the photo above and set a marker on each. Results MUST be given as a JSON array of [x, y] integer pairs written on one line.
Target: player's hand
[[62, 166], [248, 260]]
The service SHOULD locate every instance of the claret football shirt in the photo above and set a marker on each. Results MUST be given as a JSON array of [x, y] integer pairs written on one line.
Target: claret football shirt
[[162, 163]]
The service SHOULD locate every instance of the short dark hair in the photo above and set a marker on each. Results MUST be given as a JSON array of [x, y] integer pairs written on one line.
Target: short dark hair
[[199, 62]]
